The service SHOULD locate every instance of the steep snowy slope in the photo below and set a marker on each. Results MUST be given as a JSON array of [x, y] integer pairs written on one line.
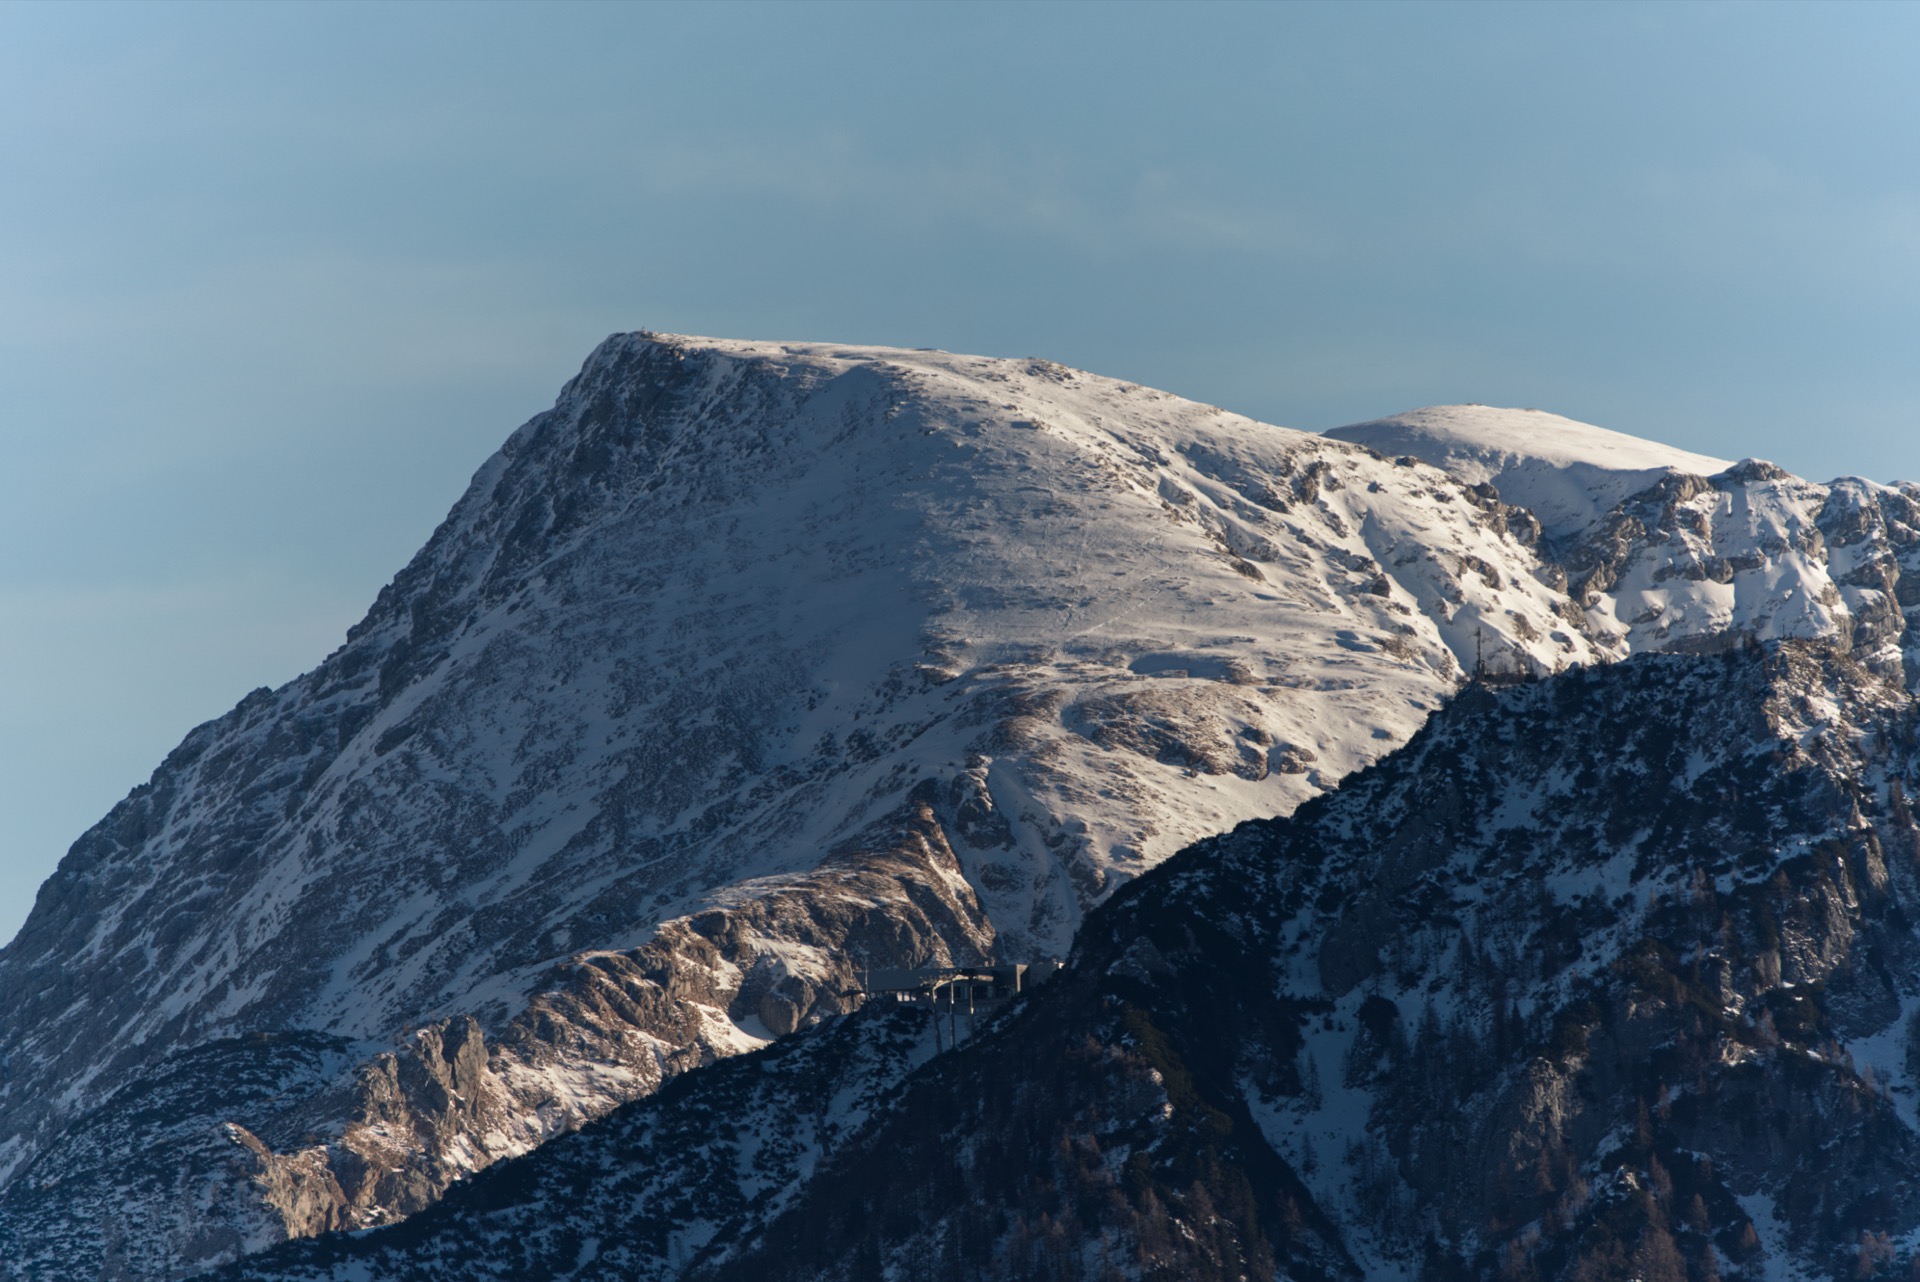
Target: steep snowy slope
[[1670, 550], [747, 665], [1567, 474]]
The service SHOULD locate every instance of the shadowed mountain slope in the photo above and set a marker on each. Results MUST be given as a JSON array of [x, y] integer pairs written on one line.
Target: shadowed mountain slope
[[1610, 975]]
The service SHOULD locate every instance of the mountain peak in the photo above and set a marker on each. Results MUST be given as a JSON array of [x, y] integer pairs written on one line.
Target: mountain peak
[[1567, 473]]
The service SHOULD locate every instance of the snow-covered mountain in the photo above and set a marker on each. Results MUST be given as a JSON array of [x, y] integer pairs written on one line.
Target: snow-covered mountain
[[750, 664]]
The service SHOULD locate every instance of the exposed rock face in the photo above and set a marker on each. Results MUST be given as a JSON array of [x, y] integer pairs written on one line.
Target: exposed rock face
[[668, 1185], [748, 665]]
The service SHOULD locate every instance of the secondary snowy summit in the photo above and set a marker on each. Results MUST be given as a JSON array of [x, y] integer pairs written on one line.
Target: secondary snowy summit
[[1568, 474]]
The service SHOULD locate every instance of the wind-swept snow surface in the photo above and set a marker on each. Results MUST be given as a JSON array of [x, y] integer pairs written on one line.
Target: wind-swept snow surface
[[1568, 474]]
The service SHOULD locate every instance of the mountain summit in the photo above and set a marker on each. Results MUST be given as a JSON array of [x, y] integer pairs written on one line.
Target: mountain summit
[[748, 666], [1568, 474]]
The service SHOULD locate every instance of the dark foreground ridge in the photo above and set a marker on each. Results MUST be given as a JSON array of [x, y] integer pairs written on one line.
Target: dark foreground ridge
[[1604, 976]]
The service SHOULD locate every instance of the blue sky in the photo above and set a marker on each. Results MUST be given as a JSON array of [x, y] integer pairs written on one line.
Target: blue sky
[[275, 279]]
